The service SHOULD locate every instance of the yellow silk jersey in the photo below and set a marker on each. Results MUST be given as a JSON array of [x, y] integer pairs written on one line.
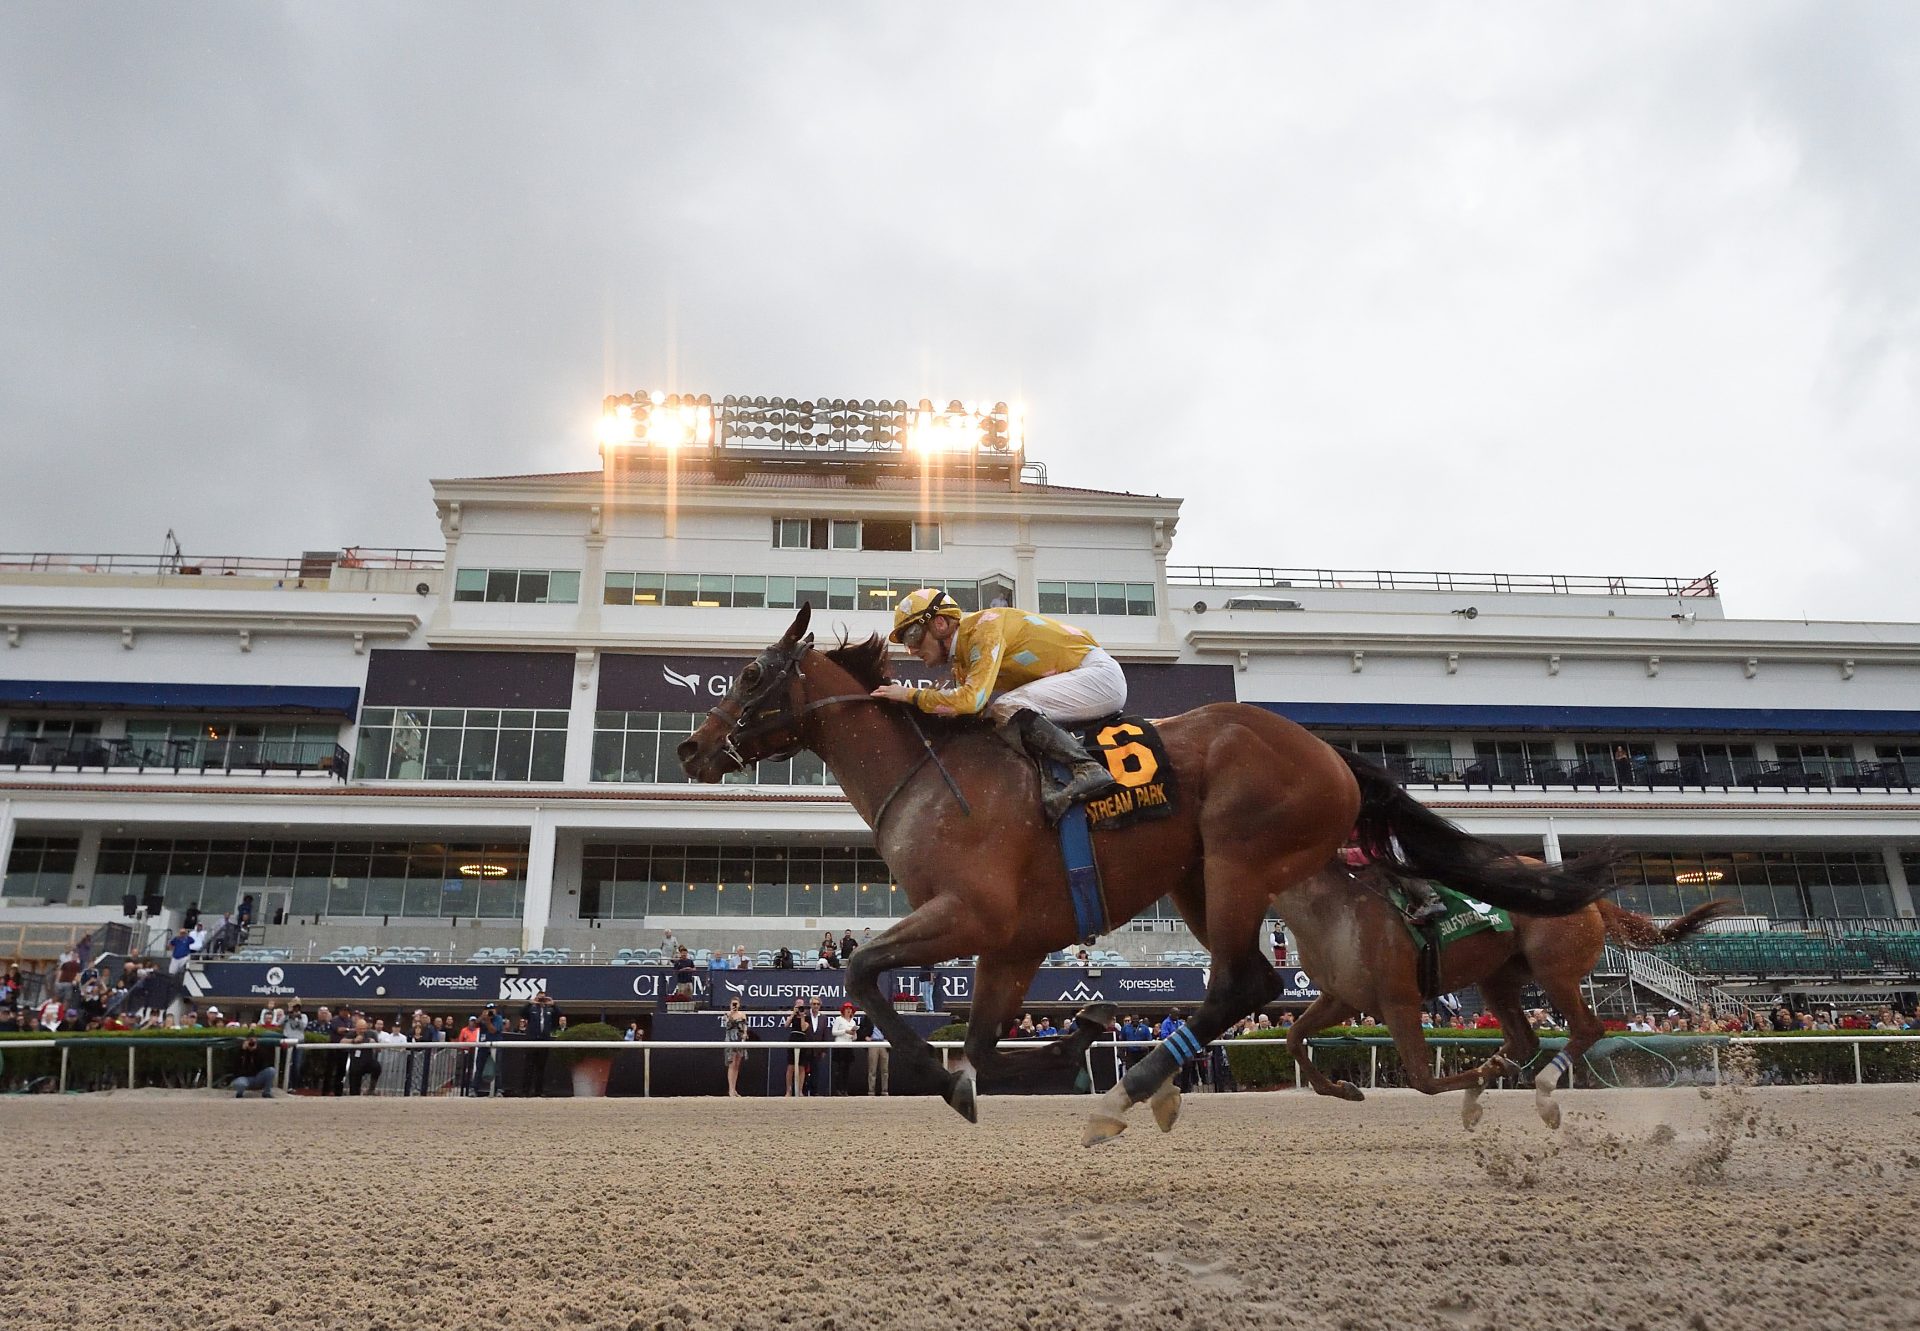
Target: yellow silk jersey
[[1000, 649]]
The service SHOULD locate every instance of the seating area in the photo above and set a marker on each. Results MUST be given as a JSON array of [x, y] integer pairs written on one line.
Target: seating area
[[1786, 953], [1096, 956], [369, 956], [261, 954]]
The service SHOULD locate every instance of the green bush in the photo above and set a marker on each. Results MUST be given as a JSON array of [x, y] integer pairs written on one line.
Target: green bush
[[99, 1058], [588, 1030]]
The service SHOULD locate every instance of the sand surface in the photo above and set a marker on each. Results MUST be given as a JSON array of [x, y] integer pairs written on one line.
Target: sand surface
[[1745, 1209]]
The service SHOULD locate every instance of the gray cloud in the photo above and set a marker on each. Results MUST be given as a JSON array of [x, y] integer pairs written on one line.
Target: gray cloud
[[1531, 288]]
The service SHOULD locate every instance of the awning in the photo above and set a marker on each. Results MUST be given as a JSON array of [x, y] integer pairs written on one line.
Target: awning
[[92, 695], [1621, 720]]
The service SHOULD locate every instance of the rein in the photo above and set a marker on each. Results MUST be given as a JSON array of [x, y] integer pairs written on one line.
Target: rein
[[740, 728]]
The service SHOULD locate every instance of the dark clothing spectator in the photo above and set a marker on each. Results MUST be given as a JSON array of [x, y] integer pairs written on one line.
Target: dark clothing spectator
[[541, 1022], [783, 959], [846, 945], [253, 1070]]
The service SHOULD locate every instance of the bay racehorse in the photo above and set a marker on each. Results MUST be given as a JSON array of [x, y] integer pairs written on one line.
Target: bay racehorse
[[1353, 943], [1262, 805]]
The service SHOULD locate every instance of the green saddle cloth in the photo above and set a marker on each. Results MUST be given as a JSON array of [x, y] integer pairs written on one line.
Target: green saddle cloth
[[1464, 916]]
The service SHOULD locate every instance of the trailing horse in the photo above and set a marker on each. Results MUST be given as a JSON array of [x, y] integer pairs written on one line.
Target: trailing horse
[[956, 814], [1354, 944]]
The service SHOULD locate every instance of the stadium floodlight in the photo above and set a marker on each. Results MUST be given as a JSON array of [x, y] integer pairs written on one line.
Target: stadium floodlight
[[860, 428]]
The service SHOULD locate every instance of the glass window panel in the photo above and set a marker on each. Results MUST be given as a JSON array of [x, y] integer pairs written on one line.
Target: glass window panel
[[1111, 597], [501, 898], [780, 593], [774, 773], [1140, 598], [649, 589], [1081, 598], [749, 593], [791, 533], [550, 719], [563, 586], [470, 584], [485, 718], [607, 749], [310, 896], [702, 898], [926, 536], [682, 588], [519, 719], [733, 899], [966, 595], [845, 536], [347, 896], [886, 534], [643, 749], [770, 899], [422, 898], [443, 755], [619, 589], [549, 755], [476, 755], [371, 761], [842, 594], [387, 886], [532, 589], [875, 594], [808, 770], [812, 591], [514, 758], [716, 590], [501, 583]]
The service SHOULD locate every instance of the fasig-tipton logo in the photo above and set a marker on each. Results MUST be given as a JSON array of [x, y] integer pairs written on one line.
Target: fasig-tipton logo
[[1159, 984], [466, 983], [275, 986], [361, 974], [276, 976]]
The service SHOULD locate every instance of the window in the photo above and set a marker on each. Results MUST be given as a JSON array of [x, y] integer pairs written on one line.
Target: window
[[1414, 758], [1713, 763], [878, 534], [1511, 760], [462, 744], [224, 745], [1620, 762], [886, 534], [524, 586], [40, 869], [1902, 759], [638, 747], [1780, 884], [1820, 762], [1096, 598], [792, 534], [629, 881], [345, 878], [844, 534], [926, 536]]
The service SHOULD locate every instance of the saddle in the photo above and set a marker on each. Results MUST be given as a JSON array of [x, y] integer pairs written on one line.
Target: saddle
[[1465, 916], [1130, 747]]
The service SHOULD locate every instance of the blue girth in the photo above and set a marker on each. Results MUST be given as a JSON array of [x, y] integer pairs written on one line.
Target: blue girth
[[1083, 874]]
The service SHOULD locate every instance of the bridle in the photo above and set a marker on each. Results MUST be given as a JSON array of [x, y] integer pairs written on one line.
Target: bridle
[[768, 707]]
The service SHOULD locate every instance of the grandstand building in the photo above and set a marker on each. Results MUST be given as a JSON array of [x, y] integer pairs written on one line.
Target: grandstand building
[[472, 747]]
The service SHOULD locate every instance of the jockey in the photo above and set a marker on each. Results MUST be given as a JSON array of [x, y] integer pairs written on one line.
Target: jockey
[[1050, 672], [1427, 907]]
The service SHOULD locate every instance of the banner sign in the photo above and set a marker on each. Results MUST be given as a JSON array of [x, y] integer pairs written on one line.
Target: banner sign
[[1298, 986], [384, 983]]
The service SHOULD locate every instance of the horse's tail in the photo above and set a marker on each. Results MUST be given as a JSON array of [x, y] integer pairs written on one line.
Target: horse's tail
[[1397, 830], [1632, 929]]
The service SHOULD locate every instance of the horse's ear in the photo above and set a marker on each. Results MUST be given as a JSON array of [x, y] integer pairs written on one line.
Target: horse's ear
[[797, 629]]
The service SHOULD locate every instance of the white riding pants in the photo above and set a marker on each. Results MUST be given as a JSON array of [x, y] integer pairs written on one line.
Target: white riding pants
[[1095, 688]]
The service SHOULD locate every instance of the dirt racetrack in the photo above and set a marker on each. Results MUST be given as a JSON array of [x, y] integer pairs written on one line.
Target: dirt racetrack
[[1746, 1209]]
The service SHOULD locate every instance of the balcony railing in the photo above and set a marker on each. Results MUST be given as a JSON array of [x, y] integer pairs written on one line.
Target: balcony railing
[[317, 564], [1685, 774], [1561, 584], [83, 753]]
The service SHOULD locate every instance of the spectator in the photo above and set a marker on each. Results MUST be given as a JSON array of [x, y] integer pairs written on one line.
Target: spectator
[[820, 1034], [799, 1031], [1278, 941], [720, 961], [740, 959], [735, 1027], [829, 959], [879, 1071], [293, 1033], [339, 1029], [684, 975], [254, 1070], [244, 922], [53, 1013], [846, 945], [846, 1030], [364, 1062], [669, 945], [783, 959], [191, 920], [9, 1018], [179, 952], [541, 1022], [469, 1057], [419, 1061]]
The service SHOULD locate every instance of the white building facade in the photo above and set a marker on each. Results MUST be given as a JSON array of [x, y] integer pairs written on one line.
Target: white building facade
[[446, 746]]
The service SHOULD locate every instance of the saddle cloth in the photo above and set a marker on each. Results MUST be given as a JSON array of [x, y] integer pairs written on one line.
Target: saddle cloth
[[1464, 917], [1131, 748]]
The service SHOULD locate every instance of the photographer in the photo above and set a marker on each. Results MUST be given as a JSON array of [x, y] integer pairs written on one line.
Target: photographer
[[799, 1031], [735, 1027], [254, 1070]]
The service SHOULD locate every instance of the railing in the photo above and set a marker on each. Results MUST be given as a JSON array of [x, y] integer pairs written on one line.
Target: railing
[[1562, 584], [1635, 774], [92, 753], [315, 565], [1673, 983]]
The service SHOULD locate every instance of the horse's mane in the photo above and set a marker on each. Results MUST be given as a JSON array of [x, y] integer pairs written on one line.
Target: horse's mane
[[865, 661]]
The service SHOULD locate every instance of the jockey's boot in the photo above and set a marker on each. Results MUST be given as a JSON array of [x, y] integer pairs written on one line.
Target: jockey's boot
[[1042, 739], [1424, 905]]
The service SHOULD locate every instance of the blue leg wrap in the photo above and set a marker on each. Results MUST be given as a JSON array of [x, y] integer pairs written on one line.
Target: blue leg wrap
[[1561, 1063], [1183, 1044]]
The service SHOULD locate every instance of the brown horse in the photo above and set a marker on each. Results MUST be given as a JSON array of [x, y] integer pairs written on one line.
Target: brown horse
[[956, 813], [1353, 944]]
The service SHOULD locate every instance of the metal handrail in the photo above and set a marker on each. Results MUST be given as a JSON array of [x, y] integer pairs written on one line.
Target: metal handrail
[[316, 565], [1564, 584], [94, 752], [1513, 773]]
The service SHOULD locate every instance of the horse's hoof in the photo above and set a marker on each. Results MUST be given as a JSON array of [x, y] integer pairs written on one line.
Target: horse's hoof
[[1102, 1128], [1165, 1104], [1549, 1112], [1472, 1111], [1346, 1090], [962, 1097], [1102, 1015]]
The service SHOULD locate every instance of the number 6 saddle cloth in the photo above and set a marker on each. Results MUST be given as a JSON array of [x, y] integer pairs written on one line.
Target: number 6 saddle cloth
[[1131, 748]]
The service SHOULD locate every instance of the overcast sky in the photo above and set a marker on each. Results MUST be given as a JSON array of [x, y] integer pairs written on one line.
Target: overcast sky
[[1608, 288]]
